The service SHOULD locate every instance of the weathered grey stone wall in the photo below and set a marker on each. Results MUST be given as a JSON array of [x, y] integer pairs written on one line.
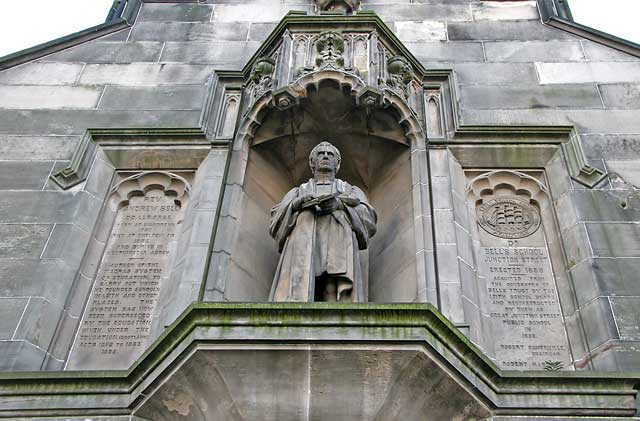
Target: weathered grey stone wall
[[509, 70]]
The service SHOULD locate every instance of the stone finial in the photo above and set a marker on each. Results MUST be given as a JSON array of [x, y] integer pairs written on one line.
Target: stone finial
[[400, 74], [342, 6], [330, 47], [262, 75]]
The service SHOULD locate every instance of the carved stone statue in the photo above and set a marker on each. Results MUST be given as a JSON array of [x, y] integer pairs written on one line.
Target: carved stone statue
[[320, 227]]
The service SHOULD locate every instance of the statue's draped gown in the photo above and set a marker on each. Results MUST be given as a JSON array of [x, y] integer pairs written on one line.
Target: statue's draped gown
[[312, 245]]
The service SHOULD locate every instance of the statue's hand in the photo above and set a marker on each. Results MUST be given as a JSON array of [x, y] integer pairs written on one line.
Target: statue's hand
[[329, 206], [300, 201], [350, 201]]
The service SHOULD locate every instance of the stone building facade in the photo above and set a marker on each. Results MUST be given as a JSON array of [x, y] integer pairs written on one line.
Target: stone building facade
[[498, 142]]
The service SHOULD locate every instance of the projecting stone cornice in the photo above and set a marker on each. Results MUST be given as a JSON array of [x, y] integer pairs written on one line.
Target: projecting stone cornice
[[352, 332]]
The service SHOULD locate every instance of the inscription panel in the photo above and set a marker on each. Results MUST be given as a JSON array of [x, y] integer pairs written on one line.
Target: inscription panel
[[523, 306], [136, 261], [520, 298]]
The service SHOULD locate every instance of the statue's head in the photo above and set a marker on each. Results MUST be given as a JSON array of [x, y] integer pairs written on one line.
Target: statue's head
[[325, 158]]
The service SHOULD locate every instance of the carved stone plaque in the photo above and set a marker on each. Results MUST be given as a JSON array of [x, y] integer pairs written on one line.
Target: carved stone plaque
[[520, 297], [137, 259], [509, 217], [522, 301]]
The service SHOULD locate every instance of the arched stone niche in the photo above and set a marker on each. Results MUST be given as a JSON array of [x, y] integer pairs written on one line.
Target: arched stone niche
[[520, 321], [383, 153], [135, 262]]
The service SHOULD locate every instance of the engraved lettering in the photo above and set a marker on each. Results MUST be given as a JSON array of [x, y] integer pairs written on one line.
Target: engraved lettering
[[136, 260], [523, 307]]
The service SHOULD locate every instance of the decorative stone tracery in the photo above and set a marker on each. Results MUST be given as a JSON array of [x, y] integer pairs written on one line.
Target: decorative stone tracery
[[330, 46], [363, 54], [369, 96]]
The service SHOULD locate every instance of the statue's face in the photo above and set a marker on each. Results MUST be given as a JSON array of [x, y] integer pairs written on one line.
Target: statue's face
[[326, 160]]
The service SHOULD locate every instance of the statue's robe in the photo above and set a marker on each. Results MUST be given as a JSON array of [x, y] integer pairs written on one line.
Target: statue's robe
[[312, 245]]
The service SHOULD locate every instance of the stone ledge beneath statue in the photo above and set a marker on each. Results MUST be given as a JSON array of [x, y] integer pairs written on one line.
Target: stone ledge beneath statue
[[280, 361]]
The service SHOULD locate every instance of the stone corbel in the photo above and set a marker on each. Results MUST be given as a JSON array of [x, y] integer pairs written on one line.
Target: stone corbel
[[78, 169], [262, 76], [285, 98], [370, 97], [400, 75], [579, 169]]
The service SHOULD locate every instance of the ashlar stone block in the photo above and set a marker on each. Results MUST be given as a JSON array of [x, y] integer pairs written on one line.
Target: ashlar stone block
[[621, 95], [75, 122], [531, 96], [495, 73], [604, 72], [505, 31], [11, 311], [23, 240], [421, 31], [32, 148], [103, 51], [527, 51], [145, 74], [235, 14], [625, 312], [505, 10], [49, 96], [38, 324], [151, 98], [185, 12], [48, 278], [187, 31], [230, 54], [613, 146], [586, 120], [422, 12], [42, 74], [599, 323], [614, 239], [24, 175], [429, 51], [259, 31], [20, 356], [599, 52]]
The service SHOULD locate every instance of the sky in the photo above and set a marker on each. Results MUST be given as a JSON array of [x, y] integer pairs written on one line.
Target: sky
[[24, 24], [617, 17]]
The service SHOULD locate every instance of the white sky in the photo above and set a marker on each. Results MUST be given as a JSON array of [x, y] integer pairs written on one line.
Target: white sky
[[25, 23], [617, 17]]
